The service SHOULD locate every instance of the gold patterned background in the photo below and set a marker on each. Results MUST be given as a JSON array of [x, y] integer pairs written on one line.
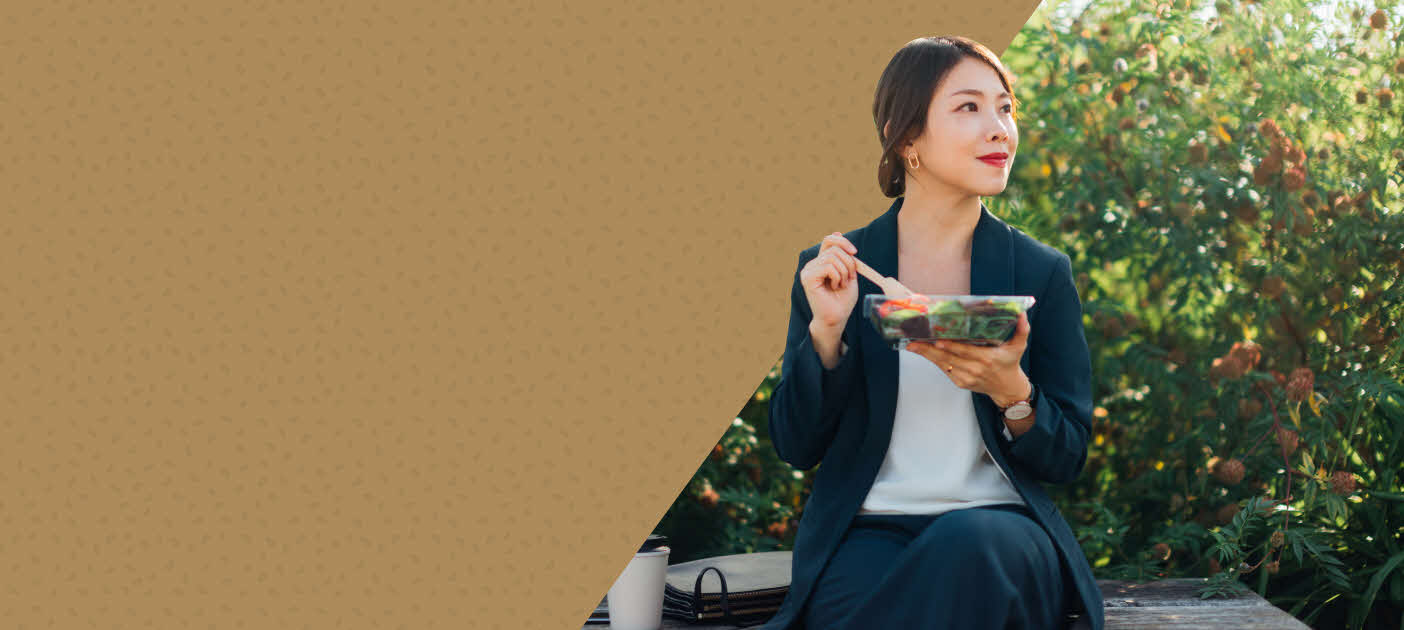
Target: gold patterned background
[[401, 315]]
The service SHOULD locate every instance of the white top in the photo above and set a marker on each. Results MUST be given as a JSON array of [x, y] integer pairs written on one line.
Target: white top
[[936, 461]]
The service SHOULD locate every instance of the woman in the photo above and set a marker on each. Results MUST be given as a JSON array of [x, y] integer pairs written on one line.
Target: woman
[[928, 510]]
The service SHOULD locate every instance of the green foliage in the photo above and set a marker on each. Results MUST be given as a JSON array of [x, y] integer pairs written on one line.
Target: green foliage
[[1227, 179]]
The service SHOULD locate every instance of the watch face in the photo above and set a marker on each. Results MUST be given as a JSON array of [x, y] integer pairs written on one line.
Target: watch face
[[1019, 411]]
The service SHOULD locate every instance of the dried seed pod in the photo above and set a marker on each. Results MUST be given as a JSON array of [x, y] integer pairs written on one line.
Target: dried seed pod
[[1299, 384], [1225, 514], [1269, 129], [1294, 179], [1288, 439], [1248, 352], [1229, 472], [1342, 482], [1161, 551]]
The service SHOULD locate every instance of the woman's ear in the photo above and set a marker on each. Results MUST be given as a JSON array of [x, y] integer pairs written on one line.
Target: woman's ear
[[901, 149], [905, 149]]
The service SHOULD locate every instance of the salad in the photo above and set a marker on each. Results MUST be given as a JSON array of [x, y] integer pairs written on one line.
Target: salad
[[976, 319]]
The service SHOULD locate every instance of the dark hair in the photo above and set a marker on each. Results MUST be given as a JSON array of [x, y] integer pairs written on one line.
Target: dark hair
[[904, 94]]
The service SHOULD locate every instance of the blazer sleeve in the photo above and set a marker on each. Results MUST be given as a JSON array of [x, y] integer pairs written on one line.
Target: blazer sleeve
[[807, 401], [1055, 449]]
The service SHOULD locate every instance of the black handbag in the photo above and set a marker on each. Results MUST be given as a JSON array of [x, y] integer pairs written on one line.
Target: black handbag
[[748, 590]]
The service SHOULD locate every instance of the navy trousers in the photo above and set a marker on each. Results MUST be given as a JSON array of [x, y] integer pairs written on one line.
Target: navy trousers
[[989, 567]]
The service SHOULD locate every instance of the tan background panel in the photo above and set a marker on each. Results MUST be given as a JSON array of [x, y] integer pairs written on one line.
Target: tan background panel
[[419, 317]]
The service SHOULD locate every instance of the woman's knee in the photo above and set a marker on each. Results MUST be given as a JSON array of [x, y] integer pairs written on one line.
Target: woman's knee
[[984, 536]]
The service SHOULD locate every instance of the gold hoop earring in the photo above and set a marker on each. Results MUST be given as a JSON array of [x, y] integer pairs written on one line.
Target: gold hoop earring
[[913, 162]]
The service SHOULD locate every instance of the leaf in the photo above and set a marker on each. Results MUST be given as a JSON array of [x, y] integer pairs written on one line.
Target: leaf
[[1335, 507], [1315, 406], [1223, 133], [1379, 580], [1391, 496], [1331, 561], [1226, 552], [1338, 577]]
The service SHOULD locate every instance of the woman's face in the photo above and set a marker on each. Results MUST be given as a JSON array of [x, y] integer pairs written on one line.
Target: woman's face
[[970, 137]]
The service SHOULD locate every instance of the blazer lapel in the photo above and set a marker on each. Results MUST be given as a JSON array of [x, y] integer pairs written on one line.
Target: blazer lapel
[[991, 273], [991, 257], [879, 251]]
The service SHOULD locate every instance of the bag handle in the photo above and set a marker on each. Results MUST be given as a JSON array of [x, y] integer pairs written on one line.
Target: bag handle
[[727, 617]]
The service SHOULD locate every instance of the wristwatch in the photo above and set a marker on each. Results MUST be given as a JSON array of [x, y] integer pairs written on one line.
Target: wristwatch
[[1020, 409]]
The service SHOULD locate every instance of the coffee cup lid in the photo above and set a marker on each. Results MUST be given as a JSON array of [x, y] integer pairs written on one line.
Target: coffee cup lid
[[654, 542]]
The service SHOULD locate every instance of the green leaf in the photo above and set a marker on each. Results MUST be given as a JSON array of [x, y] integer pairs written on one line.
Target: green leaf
[[1377, 581], [1296, 546], [1226, 552], [1336, 507]]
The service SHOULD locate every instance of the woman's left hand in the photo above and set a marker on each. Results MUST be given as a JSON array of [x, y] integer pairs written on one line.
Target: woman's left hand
[[990, 370]]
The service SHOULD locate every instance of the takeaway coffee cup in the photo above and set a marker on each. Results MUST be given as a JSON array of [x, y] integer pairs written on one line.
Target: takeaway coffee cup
[[636, 598]]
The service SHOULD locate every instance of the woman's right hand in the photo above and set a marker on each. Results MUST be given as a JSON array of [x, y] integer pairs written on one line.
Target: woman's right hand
[[831, 281]]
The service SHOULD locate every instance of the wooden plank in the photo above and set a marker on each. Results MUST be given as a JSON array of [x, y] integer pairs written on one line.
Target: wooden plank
[[1173, 604], [1159, 605], [1184, 617], [1176, 592]]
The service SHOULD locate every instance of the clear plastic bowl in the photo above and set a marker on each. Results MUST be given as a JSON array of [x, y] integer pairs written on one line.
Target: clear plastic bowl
[[983, 320]]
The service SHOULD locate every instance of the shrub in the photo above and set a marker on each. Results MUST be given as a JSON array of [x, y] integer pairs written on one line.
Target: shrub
[[1226, 178]]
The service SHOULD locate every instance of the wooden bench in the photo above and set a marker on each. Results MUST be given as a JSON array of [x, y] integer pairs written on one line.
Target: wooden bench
[[1173, 604], [1167, 604]]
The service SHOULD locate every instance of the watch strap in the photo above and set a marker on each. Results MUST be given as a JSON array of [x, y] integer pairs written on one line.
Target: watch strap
[[1033, 389]]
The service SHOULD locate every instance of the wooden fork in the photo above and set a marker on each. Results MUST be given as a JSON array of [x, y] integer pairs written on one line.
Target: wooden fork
[[890, 286]]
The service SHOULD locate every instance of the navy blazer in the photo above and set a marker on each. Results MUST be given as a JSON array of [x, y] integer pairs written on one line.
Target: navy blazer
[[843, 417]]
